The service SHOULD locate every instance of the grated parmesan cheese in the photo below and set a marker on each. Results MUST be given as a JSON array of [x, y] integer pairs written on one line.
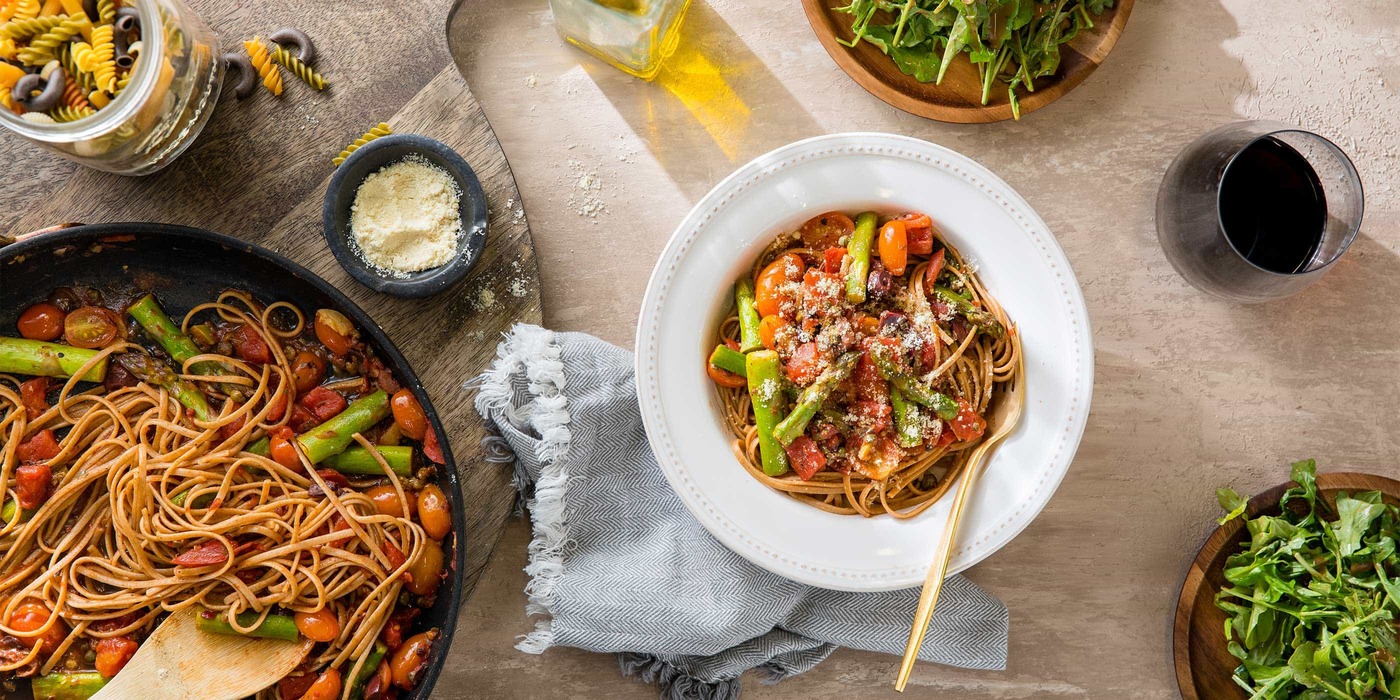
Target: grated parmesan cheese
[[407, 217]]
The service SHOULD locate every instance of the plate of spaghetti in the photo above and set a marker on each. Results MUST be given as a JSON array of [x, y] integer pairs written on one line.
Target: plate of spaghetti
[[821, 341], [231, 435]]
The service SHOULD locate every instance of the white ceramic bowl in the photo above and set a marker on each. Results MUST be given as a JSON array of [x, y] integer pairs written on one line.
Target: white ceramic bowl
[[1023, 267]]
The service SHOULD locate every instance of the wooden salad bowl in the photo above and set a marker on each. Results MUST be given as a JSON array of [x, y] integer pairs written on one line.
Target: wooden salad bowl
[[1203, 664], [959, 98]]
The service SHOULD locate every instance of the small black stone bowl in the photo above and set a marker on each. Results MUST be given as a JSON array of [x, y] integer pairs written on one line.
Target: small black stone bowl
[[340, 195]]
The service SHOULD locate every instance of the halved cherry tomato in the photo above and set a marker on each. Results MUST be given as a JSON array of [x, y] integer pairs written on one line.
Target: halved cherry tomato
[[319, 626], [295, 687], [42, 321], [408, 414], [935, 266], [914, 220], [894, 247], [39, 447], [724, 377], [431, 449], [967, 425], [308, 369], [410, 658], [805, 364], [334, 331], [768, 331], [29, 617], [32, 484], [33, 393], [284, 453], [425, 572], [807, 459], [826, 230], [768, 292], [386, 500], [250, 345], [207, 553], [91, 327], [327, 686], [434, 512], [323, 403], [113, 653], [831, 262]]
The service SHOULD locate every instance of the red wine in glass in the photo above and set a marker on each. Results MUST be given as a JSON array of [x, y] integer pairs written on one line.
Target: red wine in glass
[[1255, 211]]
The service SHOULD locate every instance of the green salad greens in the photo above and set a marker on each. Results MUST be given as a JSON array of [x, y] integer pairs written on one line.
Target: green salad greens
[[1314, 597], [1012, 42]]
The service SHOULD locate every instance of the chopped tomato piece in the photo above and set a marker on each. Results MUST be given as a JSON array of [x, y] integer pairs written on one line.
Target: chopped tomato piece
[[831, 262], [112, 655], [805, 364], [249, 345], [394, 555], [277, 408], [293, 687], [392, 635], [806, 458], [873, 416], [935, 266], [207, 553], [32, 484], [870, 385], [39, 447], [724, 377], [967, 425], [826, 230], [821, 293], [920, 240], [323, 403], [302, 420], [33, 394], [916, 220], [231, 428], [945, 437], [331, 476], [431, 449]]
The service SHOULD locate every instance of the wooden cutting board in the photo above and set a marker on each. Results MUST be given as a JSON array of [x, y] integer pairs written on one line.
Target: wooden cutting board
[[259, 172]]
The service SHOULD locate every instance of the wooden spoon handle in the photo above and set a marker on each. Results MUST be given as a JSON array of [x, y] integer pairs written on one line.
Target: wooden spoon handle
[[933, 583]]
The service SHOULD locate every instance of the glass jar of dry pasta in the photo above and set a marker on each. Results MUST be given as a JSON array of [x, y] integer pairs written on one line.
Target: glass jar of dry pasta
[[139, 79]]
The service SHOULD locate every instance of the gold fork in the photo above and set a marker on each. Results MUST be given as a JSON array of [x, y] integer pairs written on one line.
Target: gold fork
[[1004, 418]]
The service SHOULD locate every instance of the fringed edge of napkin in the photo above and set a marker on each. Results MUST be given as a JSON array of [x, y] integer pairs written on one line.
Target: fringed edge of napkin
[[532, 349]]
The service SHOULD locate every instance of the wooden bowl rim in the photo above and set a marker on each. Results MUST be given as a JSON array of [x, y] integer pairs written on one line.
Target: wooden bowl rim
[[1228, 534], [817, 12]]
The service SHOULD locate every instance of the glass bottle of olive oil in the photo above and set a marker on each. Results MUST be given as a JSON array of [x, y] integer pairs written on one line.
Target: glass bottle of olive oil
[[633, 35]]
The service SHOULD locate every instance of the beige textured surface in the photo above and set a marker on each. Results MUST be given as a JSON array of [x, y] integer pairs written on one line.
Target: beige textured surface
[[1191, 393]]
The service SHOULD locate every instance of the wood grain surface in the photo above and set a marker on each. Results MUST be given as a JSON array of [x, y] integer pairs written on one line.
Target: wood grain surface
[[259, 172], [958, 98], [1203, 663]]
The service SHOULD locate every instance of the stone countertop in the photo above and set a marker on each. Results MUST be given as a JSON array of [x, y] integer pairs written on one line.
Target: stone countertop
[[1191, 393]]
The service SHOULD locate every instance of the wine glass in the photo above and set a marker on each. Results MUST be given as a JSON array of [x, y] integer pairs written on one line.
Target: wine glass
[[1257, 210]]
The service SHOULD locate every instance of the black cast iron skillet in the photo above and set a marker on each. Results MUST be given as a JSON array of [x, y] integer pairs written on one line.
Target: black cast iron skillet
[[186, 266]]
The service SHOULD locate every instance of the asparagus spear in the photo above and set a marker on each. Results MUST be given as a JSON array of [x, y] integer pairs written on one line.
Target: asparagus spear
[[358, 461], [974, 314], [914, 390], [859, 249], [7, 512], [906, 420], [79, 685], [152, 371], [273, 627], [333, 436], [729, 360], [37, 358], [765, 391], [148, 313], [811, 399], [357, 690], [748, 316]]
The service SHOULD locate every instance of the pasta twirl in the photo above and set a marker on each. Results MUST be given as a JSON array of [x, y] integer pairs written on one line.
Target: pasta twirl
[[380, 129], [271, 74], [303, 72]]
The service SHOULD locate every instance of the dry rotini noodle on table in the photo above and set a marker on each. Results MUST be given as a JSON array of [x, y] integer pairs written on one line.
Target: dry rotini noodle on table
[[271, 74], [380, 129], [303, 72]]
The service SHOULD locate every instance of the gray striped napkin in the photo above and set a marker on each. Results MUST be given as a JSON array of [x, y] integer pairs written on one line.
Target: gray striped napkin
[[617, 563]]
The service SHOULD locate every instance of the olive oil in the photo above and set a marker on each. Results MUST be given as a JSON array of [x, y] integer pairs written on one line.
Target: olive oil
[[632, 35]]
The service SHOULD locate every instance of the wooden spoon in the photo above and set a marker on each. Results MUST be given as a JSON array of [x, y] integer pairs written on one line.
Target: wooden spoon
[[179, 662], [1004, 418]]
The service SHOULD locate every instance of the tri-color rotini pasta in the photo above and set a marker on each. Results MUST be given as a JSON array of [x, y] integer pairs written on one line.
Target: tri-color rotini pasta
[[42, 41]]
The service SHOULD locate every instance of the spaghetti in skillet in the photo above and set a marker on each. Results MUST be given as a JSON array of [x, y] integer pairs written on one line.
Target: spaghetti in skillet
[[250, 461], [859, 362]]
